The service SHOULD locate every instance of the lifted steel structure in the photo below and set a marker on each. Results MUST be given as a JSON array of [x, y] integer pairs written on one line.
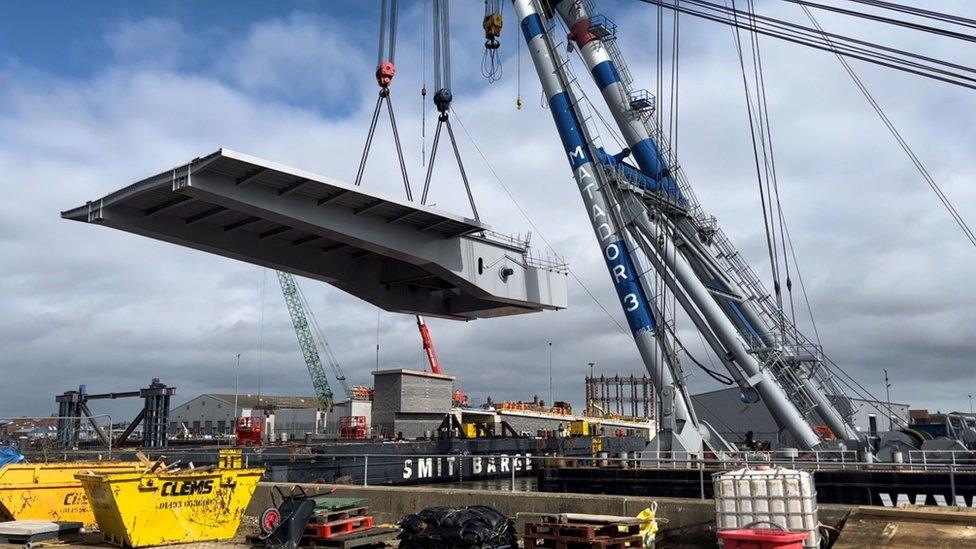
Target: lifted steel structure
[[398, 255]]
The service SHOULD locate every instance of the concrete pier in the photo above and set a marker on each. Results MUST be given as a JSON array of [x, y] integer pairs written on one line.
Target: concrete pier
[[389, 504]]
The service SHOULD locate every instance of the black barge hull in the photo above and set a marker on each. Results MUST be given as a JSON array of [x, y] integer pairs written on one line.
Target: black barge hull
[[887, 487]]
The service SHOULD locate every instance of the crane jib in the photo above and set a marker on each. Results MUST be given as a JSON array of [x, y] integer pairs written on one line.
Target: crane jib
[[615, 253]]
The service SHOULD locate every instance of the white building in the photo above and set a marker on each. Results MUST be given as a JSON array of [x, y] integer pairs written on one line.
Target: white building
[[212, 415], [362, 408], [286, 417]]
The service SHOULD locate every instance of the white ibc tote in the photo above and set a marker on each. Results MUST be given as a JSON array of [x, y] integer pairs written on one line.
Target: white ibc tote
[[767, 498]]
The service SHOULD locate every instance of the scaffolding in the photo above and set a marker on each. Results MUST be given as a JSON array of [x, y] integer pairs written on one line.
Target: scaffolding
[[621, 397]]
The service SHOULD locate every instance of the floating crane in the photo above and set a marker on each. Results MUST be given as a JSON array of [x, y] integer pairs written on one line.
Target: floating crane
[[648, 220]]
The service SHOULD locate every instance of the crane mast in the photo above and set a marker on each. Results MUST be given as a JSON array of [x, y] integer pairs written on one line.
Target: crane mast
[[765, 333], [306, 341], [649, 212], [684, 432]]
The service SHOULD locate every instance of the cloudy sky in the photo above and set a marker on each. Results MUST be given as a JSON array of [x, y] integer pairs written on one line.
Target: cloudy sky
[[94, 96]]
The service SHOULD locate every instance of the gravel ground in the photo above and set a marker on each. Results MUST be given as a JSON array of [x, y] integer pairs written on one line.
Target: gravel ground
[[249, 526]]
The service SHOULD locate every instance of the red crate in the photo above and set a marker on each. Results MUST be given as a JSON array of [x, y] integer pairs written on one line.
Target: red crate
[[761, 538]]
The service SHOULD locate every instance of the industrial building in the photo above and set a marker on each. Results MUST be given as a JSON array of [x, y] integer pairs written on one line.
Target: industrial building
[[212, 415], [409, 403], [732, 418]]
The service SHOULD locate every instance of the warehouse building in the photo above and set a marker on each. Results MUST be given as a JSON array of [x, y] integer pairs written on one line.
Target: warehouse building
[[212, 415], [724, 410]]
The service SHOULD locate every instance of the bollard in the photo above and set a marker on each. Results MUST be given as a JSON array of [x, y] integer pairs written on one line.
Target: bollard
[[701, 477], [512, 467]]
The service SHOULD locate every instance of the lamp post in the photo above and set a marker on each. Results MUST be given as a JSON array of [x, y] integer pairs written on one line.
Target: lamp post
[[970, 404], [237, 385], [891, 421], [551, 403], [590, 396]]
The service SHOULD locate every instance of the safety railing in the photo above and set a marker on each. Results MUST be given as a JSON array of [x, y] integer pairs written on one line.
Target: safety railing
[[511, 471], [514, 241]]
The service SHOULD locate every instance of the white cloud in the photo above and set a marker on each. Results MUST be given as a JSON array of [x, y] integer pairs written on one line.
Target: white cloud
[[887, 271], [152, 41], [303, 56]]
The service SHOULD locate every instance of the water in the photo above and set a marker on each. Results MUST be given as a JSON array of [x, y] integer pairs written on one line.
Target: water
[[522, 484]]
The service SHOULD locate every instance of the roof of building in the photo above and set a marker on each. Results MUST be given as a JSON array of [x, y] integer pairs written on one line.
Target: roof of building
[[261, 401], [736, 390], [418, 373]]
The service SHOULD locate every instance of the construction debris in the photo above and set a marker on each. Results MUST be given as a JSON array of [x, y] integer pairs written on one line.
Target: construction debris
[[450, 528], [909, 526], [570, 530]]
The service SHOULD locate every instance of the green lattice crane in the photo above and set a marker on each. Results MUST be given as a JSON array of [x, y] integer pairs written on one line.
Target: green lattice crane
[[300, 313]]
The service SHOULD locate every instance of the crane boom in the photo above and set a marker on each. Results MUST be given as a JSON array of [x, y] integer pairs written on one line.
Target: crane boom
[[435, 365], [649, 214], [324, 345], [306, 340], [684, 433], [764, 340]]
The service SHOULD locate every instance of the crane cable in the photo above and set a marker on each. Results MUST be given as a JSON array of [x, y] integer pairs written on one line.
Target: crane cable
[[675, 58], [385, 71], [772, 182], [902, 60], [423, 87], [890, 21], [770, 242], [319, 335], [919, 12], [946, 203], [443, 98]]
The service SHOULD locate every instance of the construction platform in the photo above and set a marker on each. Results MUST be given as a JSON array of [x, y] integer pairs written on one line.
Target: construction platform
[[398, 255]]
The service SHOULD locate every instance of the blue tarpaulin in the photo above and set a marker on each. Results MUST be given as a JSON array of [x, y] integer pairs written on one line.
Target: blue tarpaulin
[[10, 455]]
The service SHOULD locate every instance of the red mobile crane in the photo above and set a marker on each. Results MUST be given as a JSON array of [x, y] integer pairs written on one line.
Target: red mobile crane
[[460, 399], [435, 365]]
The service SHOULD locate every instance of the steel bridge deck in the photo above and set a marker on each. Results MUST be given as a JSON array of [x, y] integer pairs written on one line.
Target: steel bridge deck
[[398, 255]]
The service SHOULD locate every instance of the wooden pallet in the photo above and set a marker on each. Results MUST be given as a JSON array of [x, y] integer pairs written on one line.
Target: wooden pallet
[[327, 530], [324, 516], [364, 538], [556, 542], [581, 531]]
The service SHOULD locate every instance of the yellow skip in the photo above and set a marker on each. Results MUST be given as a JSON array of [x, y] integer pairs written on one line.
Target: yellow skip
[[139, 509], [49, 491]]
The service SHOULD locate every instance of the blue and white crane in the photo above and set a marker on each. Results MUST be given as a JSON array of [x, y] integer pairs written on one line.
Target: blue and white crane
[[648, 213]]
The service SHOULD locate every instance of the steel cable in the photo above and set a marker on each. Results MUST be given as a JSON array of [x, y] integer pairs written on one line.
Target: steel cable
[[928, 67], [946, 203]]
